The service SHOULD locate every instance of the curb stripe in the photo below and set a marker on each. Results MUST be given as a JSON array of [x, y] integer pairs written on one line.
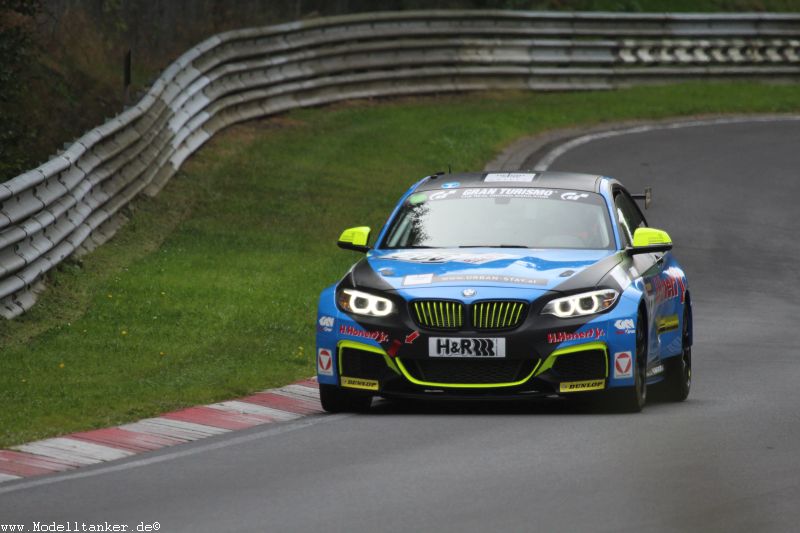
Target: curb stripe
[[254, 409], [284, 403], [217, 418], [301, 390], [129, 440], [35, 464], [74, 450], [176, 429], [51, 456]]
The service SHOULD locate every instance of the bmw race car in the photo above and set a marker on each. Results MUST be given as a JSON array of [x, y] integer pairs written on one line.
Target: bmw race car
[[508, 285]]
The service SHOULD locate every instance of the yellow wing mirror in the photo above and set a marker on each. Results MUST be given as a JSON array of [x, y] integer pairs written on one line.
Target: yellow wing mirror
[[650, 240], [355, 239]]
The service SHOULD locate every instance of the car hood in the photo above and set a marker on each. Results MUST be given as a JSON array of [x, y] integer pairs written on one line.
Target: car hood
[[490, 267]]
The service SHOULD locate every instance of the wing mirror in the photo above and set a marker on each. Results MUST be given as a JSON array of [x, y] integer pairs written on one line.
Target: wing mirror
[[650, 240], [355, 239]]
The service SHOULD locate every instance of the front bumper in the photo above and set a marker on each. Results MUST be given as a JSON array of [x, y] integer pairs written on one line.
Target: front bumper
[[569, 370], [542, 356]]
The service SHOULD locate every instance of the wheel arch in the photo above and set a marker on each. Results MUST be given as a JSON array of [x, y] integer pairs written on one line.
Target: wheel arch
[[688, 306]]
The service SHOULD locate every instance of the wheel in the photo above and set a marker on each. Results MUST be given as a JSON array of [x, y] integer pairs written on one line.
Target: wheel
[[678, 372], [337, 400], [633, 399]]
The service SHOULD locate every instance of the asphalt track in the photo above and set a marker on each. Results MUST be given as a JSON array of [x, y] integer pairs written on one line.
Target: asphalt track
[[728, 459]]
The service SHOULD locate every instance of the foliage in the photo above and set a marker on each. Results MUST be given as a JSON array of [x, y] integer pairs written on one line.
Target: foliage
[[16, 51]]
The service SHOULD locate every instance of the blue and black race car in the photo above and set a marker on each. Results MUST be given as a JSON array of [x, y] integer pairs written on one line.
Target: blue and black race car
[[508, 285]]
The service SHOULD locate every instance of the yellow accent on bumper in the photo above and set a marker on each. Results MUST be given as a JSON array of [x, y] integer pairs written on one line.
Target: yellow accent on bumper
[[359, 383], [580, 386], [551, 359]]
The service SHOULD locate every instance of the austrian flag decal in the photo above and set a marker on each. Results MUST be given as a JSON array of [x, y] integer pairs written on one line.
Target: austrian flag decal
[[324, 362], [623, 365]]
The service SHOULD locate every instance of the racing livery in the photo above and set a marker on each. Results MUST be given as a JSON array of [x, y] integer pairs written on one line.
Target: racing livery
[[508, 285]]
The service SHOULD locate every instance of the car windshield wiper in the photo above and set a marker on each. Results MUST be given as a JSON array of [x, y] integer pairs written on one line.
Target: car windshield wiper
[[493, 246]]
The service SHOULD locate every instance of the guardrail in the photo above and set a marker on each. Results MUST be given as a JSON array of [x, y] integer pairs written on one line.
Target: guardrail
[[72, 203]]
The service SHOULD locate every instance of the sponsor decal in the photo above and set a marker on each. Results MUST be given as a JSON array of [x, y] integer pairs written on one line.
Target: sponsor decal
[[426, 279], [492, 192], [490, 277], [392, 350], [442, 195], [463, 347], [359, 383], [378, 336], [573, 195], [625, 326], [502, 192], [667, 323], [578, 386], [324, 362], [669, 286], [417, 279], [425, 256], [326, 323], [451, 185], [554, 337], [623, 365], [517, 177], [656, 370]]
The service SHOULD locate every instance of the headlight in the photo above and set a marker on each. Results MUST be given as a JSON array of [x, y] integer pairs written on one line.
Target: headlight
[[585, 303], [362, 303]]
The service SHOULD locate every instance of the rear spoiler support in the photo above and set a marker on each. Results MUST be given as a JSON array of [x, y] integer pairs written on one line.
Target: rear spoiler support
[[647, 196]]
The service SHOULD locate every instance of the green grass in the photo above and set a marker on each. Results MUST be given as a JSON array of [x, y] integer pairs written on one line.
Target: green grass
[[209, 292]]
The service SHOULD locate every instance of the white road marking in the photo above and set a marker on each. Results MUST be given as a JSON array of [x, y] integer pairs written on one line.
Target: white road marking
[[547, 161], [8, 477]]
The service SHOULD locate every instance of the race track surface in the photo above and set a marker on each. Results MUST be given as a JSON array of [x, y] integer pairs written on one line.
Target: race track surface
[[728, 459]]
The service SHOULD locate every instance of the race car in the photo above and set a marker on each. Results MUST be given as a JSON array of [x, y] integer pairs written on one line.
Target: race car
[[508, 285]]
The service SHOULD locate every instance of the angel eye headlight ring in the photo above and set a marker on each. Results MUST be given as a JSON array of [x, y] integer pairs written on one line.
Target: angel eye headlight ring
[[582, 304]]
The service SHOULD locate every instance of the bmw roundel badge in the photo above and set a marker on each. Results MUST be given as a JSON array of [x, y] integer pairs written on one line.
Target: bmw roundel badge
[[469, 292]]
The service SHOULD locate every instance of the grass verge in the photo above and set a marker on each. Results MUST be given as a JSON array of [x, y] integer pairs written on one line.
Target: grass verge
[[209, 292]]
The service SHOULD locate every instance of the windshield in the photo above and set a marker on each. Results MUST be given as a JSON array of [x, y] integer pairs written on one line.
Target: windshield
[[501, 217]]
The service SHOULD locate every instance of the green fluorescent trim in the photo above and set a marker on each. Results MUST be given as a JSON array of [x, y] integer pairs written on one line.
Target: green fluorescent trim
[[358, 236], [518, 316], [551, 359], [365, 348], [650, 237], [415, 381]]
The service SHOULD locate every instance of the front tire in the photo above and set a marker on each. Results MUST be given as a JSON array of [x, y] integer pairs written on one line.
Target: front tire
[[337, 400]]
